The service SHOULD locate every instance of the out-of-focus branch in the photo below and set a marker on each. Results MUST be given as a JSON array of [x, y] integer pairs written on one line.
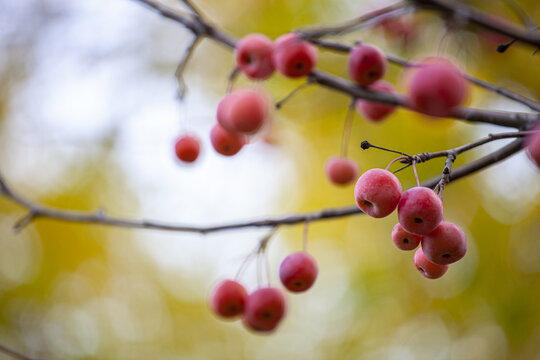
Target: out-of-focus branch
[[466, 13], [15, 354], [179, 73]]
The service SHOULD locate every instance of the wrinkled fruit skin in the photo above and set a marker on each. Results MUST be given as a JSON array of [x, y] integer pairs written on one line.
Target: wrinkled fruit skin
[[405, 240], [375, 111], [420, 210], [253, 56], [436, 88], [264, 310], [426, 267], [298, 272], [294, 57], [340, 170], [532, 143], [244, 111], [187, 148], [445, 245], [228, 299], [367, 64], [225, 142], [377, 192]]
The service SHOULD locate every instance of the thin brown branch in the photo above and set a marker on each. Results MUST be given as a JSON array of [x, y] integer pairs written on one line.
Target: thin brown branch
[[353, 24], [179, 73], [464, 12], [15, 354]]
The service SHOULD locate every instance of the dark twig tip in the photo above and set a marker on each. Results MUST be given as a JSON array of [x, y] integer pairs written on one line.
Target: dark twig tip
[[365, 145]]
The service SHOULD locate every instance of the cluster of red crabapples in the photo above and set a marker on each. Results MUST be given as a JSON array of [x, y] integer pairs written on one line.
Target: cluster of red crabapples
[[378, 193], [435, 89], [263, 309]]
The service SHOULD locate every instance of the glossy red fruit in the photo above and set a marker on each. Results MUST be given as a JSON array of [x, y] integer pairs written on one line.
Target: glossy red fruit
[[264, 310], [253, 56], [294, 57], [340, 170], [225, 142], [187, 148], [298, 272], [426, 267], [228, 299], [377, 192], [436, 88], [420, 210], [446, 244], [375, 111], [405, 240], [532, 144], [367, 64]]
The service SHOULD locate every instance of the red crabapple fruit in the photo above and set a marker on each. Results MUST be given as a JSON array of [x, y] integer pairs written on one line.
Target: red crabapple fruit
[[420, 210], [532, 142], [446, 244], [403, 239], [377, 192], [187, 148], [367, 64], [426, 267], [375, 111], [298, 272], [294, 57], [226, 142], [265, 307], [254, 56], [228, 299], [436, 88], [243, 111], [340, 170]]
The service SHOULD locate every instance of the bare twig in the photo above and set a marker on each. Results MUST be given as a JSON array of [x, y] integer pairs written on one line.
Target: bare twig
[[15, 354], [179, 73], [350, 25], [280, 103]]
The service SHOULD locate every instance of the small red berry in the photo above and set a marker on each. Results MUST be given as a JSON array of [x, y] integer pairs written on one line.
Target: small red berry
[[294, 57], [228, 299], [298, 272], [373, 110], [187, 148], [341, 171], [436, 88], [254, 56], [420, 210], [532, 143], [367, 64], [264, 310], [225, 142], [404, 240], [446, 244], [377, 192], [426, 267]]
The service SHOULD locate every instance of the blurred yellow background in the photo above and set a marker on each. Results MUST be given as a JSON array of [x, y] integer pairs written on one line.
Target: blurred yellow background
[[88, 117]]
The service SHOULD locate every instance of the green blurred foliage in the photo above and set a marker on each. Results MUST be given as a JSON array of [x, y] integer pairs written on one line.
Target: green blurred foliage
[[88, 292]]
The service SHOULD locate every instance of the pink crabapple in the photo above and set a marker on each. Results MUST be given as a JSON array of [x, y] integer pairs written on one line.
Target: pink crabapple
[[420, 210], [426, 267], [225, 142], [294, 57], [253, 55], [228, 299], [403, 239], [298, 272], [375, 111], [243, 111], [377, 192], [436, 88], [446, 244], [367, 64], [340, 170], [187, 148], [265, 307], [532, 143]]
